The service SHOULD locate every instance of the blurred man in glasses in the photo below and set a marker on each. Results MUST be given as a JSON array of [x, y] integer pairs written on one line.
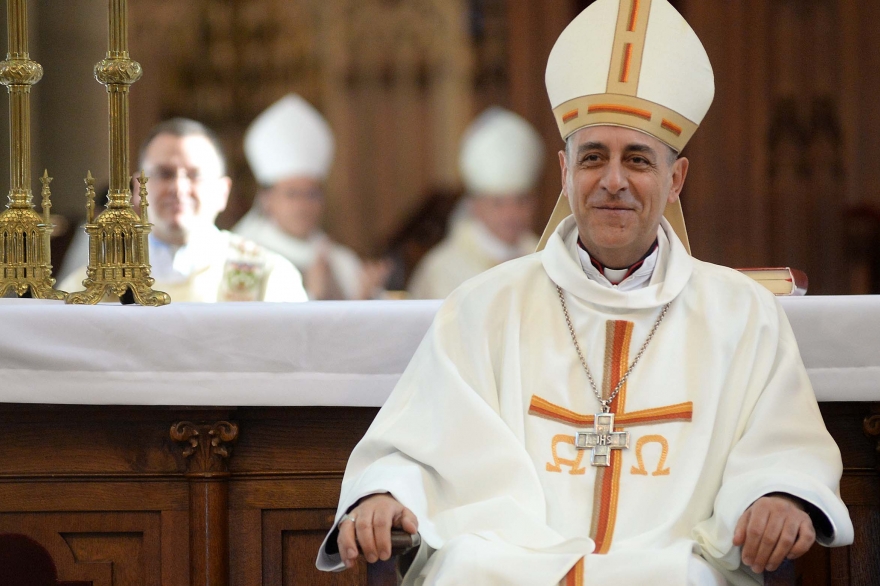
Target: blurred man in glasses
[[192, 260]]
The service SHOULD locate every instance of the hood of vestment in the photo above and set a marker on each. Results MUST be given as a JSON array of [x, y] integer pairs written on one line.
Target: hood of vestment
[[561, 262]]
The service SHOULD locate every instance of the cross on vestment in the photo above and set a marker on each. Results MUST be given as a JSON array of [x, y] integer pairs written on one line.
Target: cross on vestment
[[609, 440], [602, 439], [605, 439]]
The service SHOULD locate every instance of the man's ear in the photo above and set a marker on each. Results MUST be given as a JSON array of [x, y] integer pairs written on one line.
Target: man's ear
[[563, 166], [679, 174], [224, 188]]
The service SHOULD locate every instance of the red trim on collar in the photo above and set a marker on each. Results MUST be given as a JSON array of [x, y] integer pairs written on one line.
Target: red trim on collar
[[630, 270]]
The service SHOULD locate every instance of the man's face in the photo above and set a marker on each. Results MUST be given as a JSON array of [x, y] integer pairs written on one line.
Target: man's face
[[508, 218], [186, 188], [618, 182], [295, 205]]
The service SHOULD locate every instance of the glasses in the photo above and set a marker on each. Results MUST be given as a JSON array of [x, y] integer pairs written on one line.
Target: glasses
[[306, 193], [171, 174]]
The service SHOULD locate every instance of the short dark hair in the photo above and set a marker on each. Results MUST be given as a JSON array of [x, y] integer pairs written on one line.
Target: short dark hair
[[182, 127]]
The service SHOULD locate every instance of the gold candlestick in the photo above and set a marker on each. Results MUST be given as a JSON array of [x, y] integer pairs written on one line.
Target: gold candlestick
[[119, 255], [25, 256]]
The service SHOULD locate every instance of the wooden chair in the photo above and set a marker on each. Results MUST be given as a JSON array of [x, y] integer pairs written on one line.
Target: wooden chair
[[404, 545], [782, 576]]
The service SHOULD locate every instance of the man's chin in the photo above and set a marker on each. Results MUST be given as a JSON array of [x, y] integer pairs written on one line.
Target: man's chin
[[174, 234]]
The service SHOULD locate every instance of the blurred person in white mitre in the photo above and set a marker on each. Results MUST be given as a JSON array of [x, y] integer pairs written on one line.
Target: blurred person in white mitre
[[501, 160], [290, 149], [192, 260]]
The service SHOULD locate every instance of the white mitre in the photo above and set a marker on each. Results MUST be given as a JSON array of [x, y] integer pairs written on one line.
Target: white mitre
[[501, 154], [631, 63], [289, 139]]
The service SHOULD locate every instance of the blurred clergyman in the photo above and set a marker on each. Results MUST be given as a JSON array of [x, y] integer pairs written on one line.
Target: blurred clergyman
[[290, 150], [192, 260], [501, 160]]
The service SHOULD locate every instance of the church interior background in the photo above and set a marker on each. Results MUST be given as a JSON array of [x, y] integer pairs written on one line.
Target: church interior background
[[784, 172], [784, 169]]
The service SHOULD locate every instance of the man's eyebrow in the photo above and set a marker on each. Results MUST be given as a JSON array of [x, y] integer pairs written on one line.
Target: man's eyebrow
[[591, 146], [640, 148]]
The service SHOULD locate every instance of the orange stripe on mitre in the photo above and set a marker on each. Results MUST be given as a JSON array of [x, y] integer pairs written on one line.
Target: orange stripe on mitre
[[544, 408], [627, 62], [618, 109], [671, 127], [634, 16], [569, 116], [575, 576]]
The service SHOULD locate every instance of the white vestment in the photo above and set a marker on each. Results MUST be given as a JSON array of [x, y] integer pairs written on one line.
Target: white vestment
[[499, 489], [216, 266], [467, 251], [345, 266]]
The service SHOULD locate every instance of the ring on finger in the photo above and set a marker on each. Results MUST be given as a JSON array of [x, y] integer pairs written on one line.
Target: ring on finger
[[348, 517]]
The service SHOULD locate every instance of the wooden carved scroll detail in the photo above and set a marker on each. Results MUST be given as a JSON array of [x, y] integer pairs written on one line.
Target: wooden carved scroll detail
[[207, 447]]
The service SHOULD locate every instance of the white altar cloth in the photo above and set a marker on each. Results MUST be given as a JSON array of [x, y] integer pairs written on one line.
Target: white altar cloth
[[308, 354]]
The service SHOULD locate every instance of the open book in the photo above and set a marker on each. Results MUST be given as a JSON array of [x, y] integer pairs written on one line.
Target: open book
[[779, 280]]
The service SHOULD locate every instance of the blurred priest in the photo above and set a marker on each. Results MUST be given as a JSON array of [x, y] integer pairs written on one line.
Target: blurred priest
[[501, 160], [290, 150], [192, 260]]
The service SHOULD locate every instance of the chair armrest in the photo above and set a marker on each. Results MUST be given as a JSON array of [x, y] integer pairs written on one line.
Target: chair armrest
[[783, 575], [403, 542]]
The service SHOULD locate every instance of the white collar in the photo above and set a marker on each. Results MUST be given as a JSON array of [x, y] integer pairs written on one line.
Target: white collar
[[639, 279], [172, 263], [671, 274]]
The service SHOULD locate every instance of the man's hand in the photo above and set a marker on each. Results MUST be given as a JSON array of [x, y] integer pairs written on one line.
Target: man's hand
[[318, 278], [373, 519], [774, 528]]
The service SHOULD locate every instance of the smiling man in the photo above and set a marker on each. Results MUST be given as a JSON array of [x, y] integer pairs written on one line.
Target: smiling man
[[192, 260], [618, 182], [609, 410]]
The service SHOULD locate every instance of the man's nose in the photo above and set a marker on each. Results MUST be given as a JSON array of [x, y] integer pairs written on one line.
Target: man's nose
[[614, 180], [181, 184]]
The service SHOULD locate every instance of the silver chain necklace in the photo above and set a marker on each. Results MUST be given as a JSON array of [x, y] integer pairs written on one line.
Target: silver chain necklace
[[606, 403]]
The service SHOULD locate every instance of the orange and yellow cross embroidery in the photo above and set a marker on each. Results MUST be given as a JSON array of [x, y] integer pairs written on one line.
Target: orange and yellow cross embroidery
[[575, 576], [607, 485]]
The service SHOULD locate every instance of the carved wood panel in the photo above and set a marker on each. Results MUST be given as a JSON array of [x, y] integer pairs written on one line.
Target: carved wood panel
[[858, 564], [783, 158], [126, 517], [106, 549], [291, 539]]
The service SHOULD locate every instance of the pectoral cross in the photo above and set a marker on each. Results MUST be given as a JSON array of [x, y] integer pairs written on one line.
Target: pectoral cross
[[602, 439]]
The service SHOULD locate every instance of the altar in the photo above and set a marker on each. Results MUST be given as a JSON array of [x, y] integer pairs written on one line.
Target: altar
[[205, 444]]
